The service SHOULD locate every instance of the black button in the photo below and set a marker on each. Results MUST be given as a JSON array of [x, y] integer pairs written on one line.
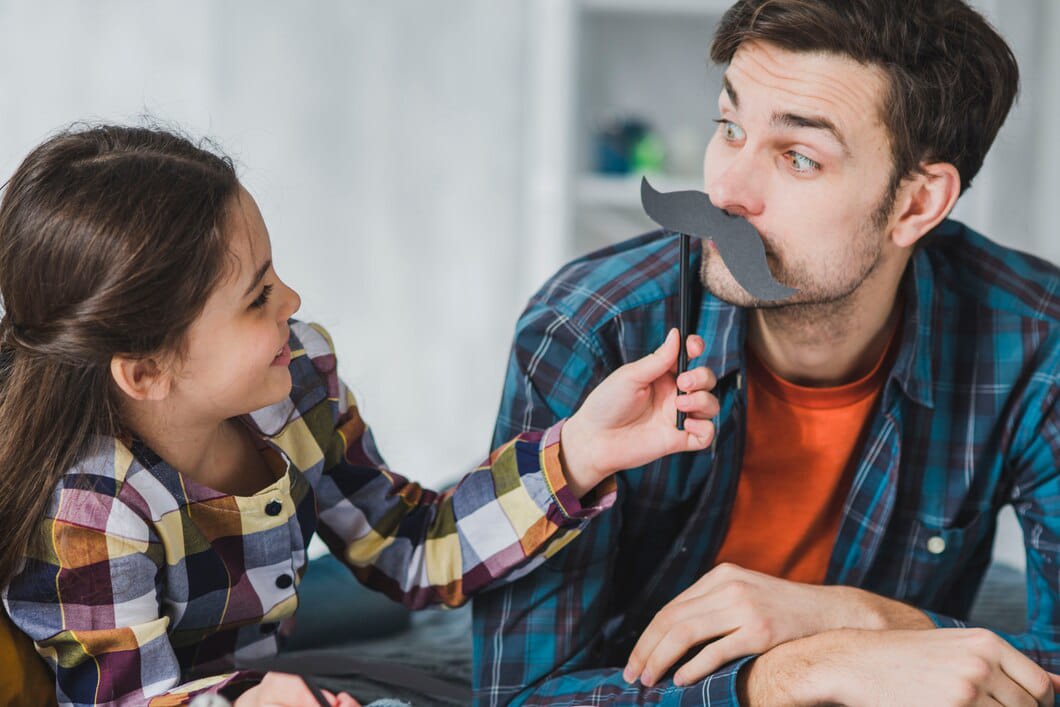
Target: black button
[[284, 581], [273, 508]]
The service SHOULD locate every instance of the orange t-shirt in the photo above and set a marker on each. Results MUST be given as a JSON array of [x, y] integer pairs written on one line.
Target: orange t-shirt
[[796, 471]]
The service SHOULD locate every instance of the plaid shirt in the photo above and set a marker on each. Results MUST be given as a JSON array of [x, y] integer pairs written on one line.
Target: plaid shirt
[[967, 422], [148, 584]]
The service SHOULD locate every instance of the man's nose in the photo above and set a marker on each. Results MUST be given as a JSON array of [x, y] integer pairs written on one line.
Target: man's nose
[[739, 187]]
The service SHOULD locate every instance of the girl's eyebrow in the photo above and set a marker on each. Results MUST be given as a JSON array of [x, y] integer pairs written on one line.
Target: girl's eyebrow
[[257, 277]]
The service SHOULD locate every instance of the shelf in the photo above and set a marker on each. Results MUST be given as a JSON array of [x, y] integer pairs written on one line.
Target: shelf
[[623, 191], [658, 7]]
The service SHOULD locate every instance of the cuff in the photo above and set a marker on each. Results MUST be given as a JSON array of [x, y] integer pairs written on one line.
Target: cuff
[[719, 688], [573, 509], [229, 686], [943, 621]]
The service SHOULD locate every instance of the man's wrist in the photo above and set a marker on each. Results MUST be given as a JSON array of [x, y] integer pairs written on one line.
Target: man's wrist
[[877, 613], [799, 672]]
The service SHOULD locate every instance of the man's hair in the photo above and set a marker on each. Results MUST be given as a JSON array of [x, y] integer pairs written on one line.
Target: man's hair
[[951, 77]]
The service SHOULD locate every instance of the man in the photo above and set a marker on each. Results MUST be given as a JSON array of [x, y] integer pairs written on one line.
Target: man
[[870, 428]]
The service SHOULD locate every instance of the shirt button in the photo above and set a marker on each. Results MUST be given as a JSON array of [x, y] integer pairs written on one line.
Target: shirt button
[[273, 508], [284, 581], [936, 545]]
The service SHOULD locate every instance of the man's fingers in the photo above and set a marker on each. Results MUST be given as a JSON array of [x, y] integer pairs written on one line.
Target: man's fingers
[[696, 620], [680, 639], [713, 656], [1007, 692], [658, 627], [1026, 674]]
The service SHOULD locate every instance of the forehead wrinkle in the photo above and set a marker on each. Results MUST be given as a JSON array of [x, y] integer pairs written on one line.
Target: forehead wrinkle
[[809, 89]]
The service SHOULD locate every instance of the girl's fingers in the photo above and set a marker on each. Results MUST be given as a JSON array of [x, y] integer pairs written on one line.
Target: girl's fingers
[[700, 378], [699, 404], [701, 432], [695, 346]]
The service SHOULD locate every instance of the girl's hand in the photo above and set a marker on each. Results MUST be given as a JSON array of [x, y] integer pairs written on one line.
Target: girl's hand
[[630, 419], [283, 690]]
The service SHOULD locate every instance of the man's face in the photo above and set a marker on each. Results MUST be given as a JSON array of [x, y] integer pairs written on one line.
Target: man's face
[[801, 153]]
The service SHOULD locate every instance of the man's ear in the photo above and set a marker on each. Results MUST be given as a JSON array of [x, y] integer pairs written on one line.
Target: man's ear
[[140, 378], [924, 200]]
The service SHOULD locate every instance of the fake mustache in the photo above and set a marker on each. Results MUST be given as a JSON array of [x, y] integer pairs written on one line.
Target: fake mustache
[[739, 244]]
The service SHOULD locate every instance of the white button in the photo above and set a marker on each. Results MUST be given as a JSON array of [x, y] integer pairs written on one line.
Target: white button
[[936, 545]]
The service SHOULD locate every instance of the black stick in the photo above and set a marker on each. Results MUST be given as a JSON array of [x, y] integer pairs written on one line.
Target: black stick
[[317, 694], [682, 316]]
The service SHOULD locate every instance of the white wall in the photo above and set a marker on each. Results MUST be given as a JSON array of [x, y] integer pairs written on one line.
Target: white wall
[[383, 144]]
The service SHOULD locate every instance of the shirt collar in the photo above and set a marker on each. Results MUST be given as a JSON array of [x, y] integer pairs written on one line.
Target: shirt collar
[[912, 368]]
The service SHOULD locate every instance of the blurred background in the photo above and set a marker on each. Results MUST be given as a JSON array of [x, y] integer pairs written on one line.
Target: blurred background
[[424, 166]]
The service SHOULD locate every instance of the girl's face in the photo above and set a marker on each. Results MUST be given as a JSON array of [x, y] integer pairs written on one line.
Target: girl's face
[[237, 353]]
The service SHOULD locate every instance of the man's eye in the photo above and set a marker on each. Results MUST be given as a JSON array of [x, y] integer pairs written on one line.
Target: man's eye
[[801, 163], [261, 299], [730, 130]]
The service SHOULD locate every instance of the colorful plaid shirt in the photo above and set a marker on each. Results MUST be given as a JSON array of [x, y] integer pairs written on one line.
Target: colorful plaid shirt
[[148, 584], [968, 421]]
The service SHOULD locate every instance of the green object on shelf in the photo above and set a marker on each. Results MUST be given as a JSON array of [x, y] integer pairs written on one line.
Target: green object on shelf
[[648, 153]]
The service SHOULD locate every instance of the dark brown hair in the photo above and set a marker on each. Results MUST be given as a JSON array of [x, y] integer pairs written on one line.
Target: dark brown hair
[[110, 242], [952, 78]]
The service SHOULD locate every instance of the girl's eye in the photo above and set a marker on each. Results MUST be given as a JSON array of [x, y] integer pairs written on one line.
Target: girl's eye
[[801, 163], [730, 130], [261, 299]]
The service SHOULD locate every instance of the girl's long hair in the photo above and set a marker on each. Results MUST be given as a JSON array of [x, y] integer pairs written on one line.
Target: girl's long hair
[[111, 240]]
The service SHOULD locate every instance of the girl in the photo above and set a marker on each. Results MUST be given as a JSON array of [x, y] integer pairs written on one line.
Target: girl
[[170, 438]]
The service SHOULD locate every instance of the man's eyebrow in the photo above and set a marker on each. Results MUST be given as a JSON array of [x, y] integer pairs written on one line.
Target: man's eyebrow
[[791, 120], [727, 85], [257, 277]]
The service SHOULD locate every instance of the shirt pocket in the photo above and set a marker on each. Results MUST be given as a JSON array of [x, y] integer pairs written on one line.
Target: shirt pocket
[[937, 556]]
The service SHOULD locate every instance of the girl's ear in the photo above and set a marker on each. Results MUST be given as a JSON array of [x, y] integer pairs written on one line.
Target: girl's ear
[[140, 378]]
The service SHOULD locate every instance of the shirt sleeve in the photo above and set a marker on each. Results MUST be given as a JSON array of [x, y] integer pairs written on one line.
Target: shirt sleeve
[[88, 597], [421, 547], [1035, 497], [541, 639]]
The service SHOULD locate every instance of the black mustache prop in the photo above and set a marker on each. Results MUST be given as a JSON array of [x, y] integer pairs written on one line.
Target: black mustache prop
[[691, 214]]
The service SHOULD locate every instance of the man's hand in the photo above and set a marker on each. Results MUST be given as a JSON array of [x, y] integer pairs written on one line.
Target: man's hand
[[630, 418], [739, 612], [944, 667]]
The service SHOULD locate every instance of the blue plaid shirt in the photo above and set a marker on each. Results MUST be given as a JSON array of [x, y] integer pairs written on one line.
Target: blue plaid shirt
[[968, 421]]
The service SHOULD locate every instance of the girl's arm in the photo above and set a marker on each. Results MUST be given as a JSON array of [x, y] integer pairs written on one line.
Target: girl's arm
[[506, 516], [88, 598]]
